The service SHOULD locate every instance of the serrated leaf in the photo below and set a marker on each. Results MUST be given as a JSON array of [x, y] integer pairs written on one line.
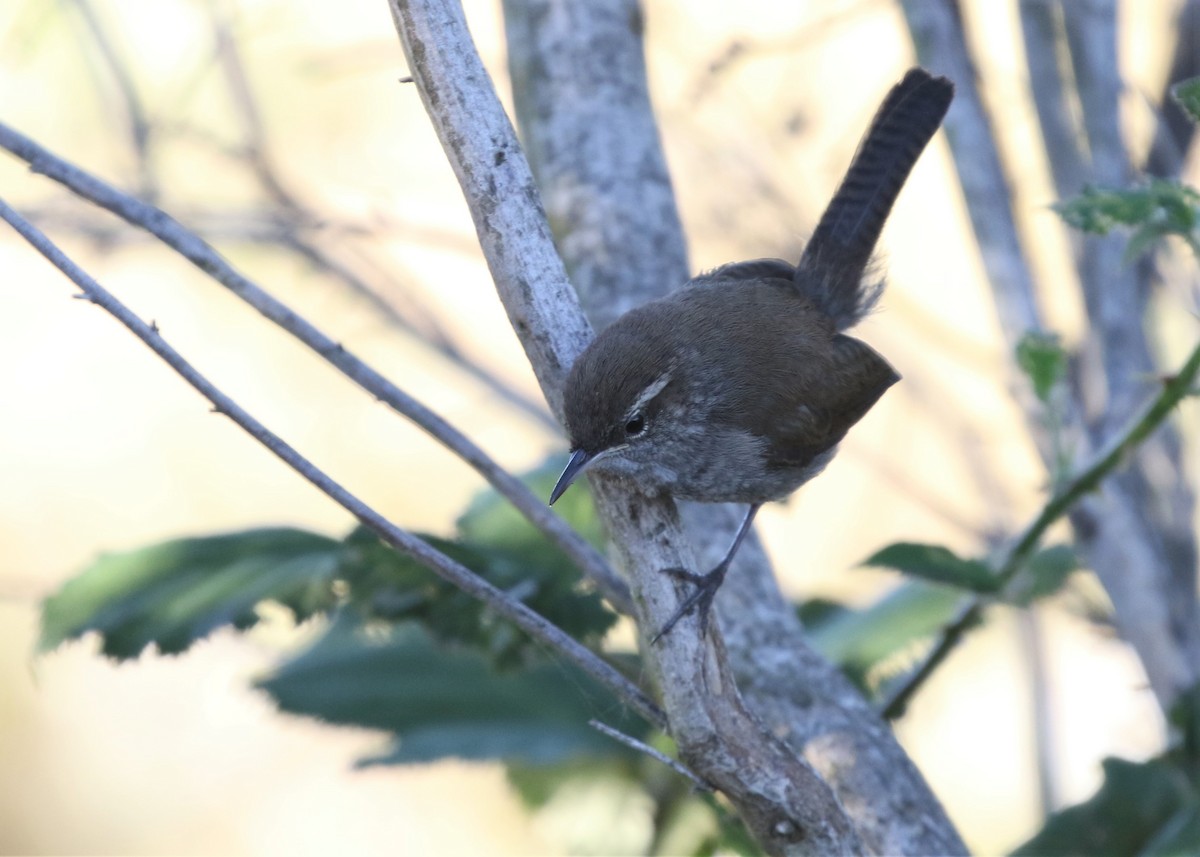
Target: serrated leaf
[[1187, 94], [1140, 805], [1043, 360], [441, 702], [394, 587], [1154, 210], [936, 564], [174, 593], [1044, 575]]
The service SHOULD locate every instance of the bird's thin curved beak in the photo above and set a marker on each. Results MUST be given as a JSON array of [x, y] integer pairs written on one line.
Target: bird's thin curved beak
[[580, 459]]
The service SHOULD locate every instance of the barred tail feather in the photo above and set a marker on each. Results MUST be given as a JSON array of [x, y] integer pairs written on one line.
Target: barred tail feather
[[837, 258]]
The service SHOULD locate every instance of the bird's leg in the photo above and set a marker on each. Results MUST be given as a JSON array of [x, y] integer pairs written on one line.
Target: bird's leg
[[706, 584]]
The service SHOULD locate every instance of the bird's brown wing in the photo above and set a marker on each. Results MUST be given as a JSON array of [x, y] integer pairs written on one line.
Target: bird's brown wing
[[819, 415], [776, 367]]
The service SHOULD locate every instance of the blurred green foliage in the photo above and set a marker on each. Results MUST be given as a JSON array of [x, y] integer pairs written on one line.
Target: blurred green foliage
[[936, 564], [177, 592], [447, 701], [1149, 809], [1187, 94], [1153, 211], [1041, 357]]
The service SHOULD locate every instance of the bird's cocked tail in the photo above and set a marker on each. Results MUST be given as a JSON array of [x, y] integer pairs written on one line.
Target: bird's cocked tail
[[834, 262]]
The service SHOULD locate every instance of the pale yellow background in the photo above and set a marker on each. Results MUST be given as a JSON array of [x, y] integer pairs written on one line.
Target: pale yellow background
[[103, 448]]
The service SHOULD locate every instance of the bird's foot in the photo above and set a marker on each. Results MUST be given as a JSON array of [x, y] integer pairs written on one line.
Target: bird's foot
[[700, 600]]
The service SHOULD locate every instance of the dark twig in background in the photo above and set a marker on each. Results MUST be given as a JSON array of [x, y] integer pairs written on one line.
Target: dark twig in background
[[301, 230], [132, 106]]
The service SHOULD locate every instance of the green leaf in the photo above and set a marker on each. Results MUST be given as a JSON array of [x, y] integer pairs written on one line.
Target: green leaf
[[1045, 574], [388, 585], [1184, 718], [1187, 94], [174, 593], [1155, 210], [938, 565], [1142, 808], [857, 640], [491, 521], [499, 544], [819, 612], [1043, 360], [441, 701]]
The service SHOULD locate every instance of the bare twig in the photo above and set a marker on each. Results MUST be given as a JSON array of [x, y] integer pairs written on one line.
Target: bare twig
[[135, 111], [254, 147], [299, 222], [458, 575], [170, 232], [1118, 451], [1033, 646], [646, 749], [740, 51]]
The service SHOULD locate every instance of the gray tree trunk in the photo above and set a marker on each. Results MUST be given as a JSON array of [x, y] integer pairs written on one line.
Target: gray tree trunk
[[585, 117]]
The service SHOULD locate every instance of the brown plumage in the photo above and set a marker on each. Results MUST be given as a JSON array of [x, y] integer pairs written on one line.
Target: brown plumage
[[738, 386]]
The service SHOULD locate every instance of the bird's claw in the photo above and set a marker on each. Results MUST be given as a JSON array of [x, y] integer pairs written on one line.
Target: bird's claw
[[700, 600]]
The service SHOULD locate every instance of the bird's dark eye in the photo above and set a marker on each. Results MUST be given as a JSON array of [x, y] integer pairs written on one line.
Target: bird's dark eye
[[636, 425]]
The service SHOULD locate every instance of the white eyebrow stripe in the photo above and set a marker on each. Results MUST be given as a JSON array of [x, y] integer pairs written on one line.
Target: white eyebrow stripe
[[650, 392]]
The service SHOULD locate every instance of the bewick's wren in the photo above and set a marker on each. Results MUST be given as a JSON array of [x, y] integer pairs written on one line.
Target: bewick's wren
[[738, 386]]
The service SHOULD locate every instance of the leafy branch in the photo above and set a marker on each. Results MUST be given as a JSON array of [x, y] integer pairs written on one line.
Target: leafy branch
[[1174, 390], [1154, 211]]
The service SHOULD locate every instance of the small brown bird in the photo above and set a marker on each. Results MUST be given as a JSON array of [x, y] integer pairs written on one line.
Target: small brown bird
[[738, 386]]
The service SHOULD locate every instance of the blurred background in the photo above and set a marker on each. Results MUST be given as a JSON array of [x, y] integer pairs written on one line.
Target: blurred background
[[282, 133]]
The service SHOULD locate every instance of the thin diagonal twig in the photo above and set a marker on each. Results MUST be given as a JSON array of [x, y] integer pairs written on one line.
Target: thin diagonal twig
[[174, 235], [1118, 450], [646, 749], [460, 576], [301, 229], [140, 128]]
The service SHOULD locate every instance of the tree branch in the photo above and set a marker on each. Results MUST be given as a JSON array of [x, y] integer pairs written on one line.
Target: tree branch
[[785, 805], [937, 32], [299, 221], [1057, 108], [458, 575], [191, 247], [1137, 535], [585, 115], [1087, 481], [598, 162], [135, 111]]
